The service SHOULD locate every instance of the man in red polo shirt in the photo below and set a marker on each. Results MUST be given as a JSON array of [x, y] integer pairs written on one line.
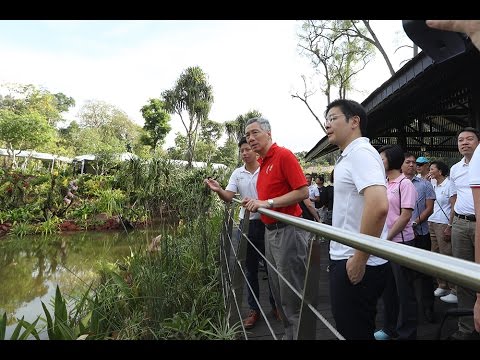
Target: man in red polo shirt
[[281, 185]]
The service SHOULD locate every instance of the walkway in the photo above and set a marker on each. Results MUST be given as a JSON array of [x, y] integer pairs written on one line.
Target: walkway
[[426, 330]]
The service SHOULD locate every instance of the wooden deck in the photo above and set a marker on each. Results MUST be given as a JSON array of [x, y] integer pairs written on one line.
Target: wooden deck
[[426, 330]]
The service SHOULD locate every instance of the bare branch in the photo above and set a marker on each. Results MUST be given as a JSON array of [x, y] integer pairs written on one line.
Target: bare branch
[[379, 46], [304, 99], [310, 109], [407, 46]]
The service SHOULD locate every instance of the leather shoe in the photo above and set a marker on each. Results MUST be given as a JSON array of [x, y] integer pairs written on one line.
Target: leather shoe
[[251, 319]]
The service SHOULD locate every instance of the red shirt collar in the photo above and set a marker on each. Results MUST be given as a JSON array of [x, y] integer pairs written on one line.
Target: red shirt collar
[[269, 153]]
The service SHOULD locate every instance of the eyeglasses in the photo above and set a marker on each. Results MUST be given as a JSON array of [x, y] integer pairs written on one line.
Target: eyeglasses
[[329, 119], [420, 164]]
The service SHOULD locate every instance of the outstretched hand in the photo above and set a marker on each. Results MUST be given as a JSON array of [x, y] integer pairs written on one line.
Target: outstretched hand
[[212, 184]]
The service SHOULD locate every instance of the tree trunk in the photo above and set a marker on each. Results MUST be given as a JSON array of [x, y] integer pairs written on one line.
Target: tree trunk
[[379, 46]]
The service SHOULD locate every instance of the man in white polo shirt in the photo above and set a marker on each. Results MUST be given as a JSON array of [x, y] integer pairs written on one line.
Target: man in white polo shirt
[[463, 222], [313, 192], [244, 181], [360, 205]]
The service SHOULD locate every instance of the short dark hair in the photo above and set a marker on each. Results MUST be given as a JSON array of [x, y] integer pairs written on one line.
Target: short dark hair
[[242, 141], [351, 108], [442, 167], [395, 156], [408, 154], [469, 129], [321, 178]]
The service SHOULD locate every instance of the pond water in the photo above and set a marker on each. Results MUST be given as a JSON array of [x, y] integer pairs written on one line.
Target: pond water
[[33, 266]]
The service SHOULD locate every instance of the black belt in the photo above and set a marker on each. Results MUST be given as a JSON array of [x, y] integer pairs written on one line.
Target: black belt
[[276, 225], [466, 217], [252, 220]]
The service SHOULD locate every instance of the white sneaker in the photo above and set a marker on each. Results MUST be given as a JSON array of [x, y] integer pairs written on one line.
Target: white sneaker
[[441, 292], [450, 298]]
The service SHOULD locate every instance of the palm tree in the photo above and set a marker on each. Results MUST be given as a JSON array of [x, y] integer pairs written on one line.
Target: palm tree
[[192, 94]]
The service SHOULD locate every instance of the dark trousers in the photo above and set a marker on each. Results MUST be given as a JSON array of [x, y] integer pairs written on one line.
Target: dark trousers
[[424, 286], [256, 234], [400, 304], [354, 307]]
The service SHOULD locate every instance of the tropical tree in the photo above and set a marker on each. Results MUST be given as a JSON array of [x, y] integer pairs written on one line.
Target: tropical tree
[[178, 151], [122, 128], [22, 98], [113, 125], [70, 138], [205, 151], [105, 148], [156, 123], [235, 131], [236, 128], [227, 154], [208, 138], [26, 130], [191, 94], [211, 131], [95, 113], [98, 142], [64, 102]]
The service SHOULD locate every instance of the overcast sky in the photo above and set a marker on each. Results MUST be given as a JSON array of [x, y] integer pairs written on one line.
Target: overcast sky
[[250, 65]]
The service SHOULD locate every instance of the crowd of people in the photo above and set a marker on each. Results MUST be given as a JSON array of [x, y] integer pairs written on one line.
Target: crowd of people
[[399, 197]]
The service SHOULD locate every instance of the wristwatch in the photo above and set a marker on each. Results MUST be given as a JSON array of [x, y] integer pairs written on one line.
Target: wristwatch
[[270, 203]]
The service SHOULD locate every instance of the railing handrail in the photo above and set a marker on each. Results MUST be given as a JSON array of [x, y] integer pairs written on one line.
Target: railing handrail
[[458, 271]]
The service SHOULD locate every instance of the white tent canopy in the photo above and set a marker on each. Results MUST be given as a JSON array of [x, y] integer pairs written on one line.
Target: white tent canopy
[[122, 157], [36, 155], [90, 157], [199, 164], [30, 154]]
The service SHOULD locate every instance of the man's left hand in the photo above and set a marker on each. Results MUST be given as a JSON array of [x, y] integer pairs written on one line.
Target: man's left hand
[[355, 270]]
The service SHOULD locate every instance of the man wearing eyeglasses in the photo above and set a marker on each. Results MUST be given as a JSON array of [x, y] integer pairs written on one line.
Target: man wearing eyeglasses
[[360, 188]]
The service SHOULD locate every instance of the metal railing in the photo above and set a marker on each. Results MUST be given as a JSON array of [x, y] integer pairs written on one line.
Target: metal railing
[[454, 270]]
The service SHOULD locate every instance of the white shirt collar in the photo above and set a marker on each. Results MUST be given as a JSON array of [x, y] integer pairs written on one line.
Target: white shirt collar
[[357, 142]]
